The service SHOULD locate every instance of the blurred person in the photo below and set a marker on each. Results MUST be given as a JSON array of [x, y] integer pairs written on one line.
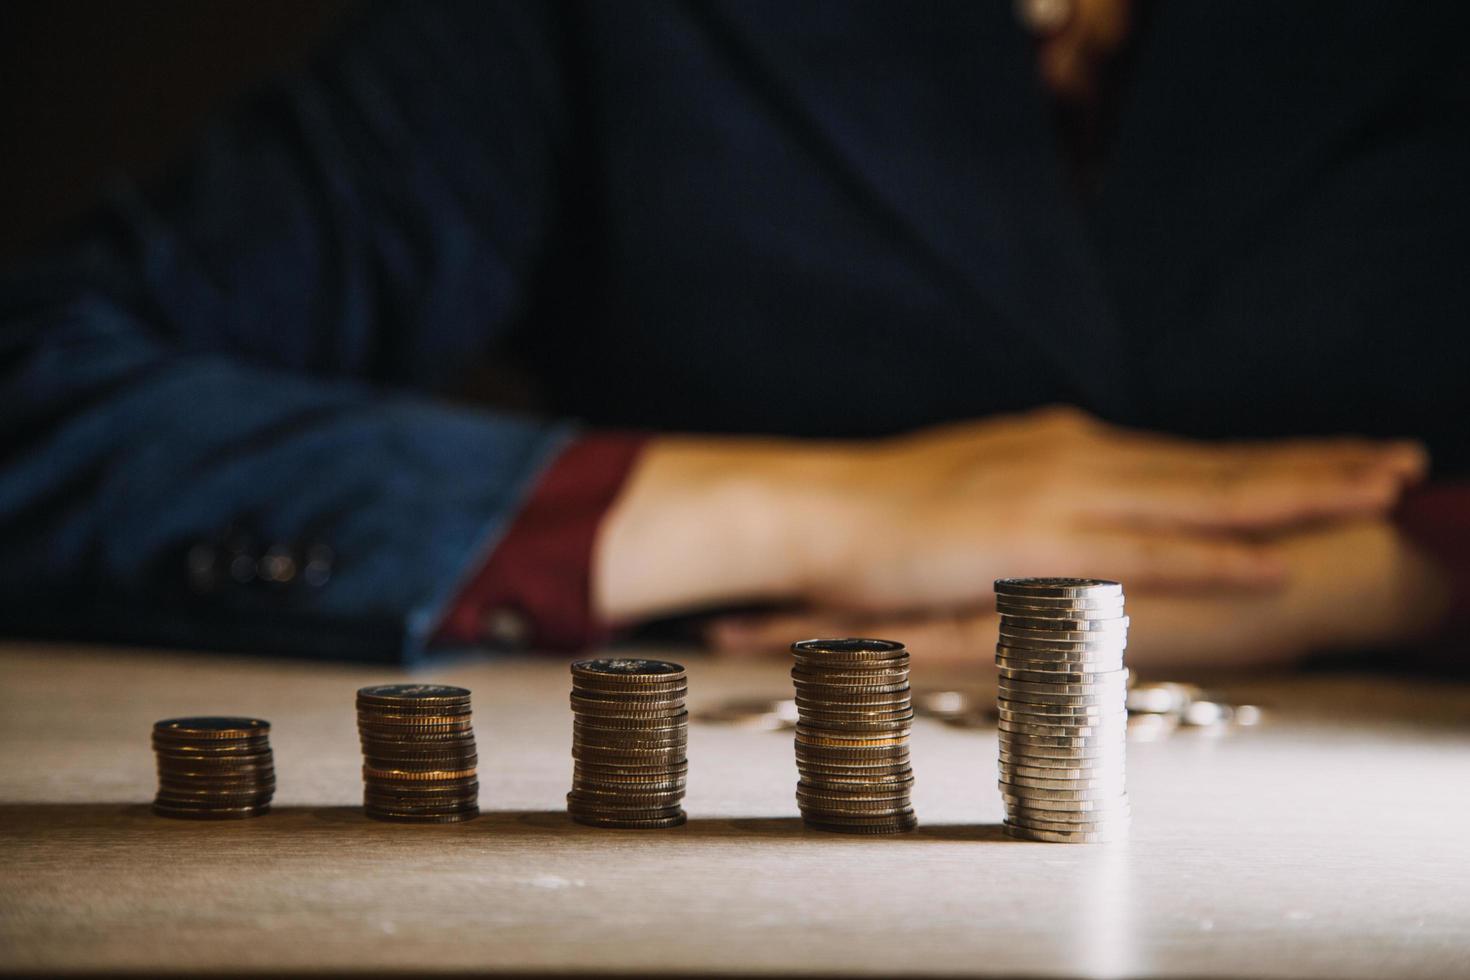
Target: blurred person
[[831, 313]]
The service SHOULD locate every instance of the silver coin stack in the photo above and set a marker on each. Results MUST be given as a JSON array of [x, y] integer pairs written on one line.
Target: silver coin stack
[[1063, 709], [854, 714]]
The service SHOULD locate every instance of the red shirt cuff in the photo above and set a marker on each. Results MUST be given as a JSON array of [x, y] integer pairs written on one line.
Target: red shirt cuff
[[535, 589], [1437, 519]]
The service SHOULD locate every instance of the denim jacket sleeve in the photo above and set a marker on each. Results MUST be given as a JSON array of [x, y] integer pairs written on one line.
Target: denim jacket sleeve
[[223, 377]]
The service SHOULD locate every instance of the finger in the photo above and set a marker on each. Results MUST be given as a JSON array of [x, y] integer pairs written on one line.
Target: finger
[[1243, 498], [1405, 460], [1171, 561]]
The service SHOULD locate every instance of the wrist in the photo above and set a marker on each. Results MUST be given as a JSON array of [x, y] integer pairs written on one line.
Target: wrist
[[719, 521]]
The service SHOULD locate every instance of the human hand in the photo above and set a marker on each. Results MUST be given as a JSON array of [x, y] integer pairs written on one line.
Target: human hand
[[1352, 585], [930, 520], [925, 522]]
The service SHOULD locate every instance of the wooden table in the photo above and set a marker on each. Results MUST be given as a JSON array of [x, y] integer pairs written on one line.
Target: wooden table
[[1333, 841]]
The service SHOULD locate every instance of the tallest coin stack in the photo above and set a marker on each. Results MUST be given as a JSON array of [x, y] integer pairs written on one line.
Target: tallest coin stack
[[1063, 709]]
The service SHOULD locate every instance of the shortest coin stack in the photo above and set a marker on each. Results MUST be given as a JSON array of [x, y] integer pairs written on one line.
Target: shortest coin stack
[[630, 731], [213, 768], [418, 748], [854, 713], [1063, 709]]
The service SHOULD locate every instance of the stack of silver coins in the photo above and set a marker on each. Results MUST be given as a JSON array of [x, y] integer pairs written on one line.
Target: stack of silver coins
[[213, 768], [854, 714], [630, 736], [419, 758], [1063, 709]]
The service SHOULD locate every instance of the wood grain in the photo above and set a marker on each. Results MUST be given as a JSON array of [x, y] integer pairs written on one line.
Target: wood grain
[[1331, 842]]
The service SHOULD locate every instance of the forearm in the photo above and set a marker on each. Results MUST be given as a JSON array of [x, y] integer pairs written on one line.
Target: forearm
[[718, 521]]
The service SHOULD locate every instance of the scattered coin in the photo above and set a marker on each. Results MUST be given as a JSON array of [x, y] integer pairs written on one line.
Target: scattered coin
[[630, 730], [854, 712], [1063, 709], [213, 768], [419, 756]]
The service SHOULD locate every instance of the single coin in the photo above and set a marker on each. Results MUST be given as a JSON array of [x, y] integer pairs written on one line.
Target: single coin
[[1069, 649], [1048, 625], [212, 761], [405, 816], [653, 778], [1066, 672], [418, 775], [1091, 638], [1013, 611], [851, 739], [1067, 711], [1064, 771], [218, 780], [894, 675], [1104, 699], [1102, 763], [1032, 801], [895, 820], [861, 819], [612, 823], [847, 647], [221, 749], [1072, 811], [419, 737], [1055, 678], [411, 709], [1115, 727], [1044, 820], [631, 668], [625, 694], [1058, 588], [1017, 739], [629, 707], [874, 805], [1057, 837], [185, 812], [627, 740], [1093, 682], [1063, 758], [397, 720], [901, 826], [855, 729], [1034, 793], [808, 707], [399, 795], [631, 695], [194, 729], [1051, 605], [822, 692], [678, 719], [409, 694], [1017, 783]]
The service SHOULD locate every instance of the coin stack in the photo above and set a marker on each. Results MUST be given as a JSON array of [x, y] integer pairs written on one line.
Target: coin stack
[[630, 732], [852, 735], [418, 748], [1063, 709], [213, 768]]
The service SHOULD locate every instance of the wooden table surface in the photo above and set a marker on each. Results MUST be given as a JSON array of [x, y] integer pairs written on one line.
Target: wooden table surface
[[1332, 841]]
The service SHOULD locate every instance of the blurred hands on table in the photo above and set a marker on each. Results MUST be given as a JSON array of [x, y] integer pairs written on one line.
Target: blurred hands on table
[[1231, 552]]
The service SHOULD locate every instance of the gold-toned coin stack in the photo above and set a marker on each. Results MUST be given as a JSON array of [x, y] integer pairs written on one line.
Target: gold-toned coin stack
[[418, 747], [1063, 709], [852, 735], [213, 768], [630, 733]]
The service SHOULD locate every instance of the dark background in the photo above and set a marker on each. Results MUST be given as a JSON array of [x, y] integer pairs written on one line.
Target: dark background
[[89, 88]]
